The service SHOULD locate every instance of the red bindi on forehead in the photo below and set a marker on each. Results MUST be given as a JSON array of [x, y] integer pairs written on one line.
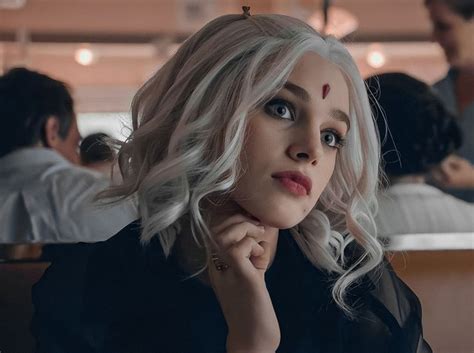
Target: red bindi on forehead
[[326, 89]]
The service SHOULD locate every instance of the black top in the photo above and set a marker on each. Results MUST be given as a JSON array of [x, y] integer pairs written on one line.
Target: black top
[[120, 297]]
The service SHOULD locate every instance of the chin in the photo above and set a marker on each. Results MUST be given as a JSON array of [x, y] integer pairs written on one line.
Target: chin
[[281, 221], [277, 213]]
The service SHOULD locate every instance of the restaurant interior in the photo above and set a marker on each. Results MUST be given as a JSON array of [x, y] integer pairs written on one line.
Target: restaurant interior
[[106, 49]]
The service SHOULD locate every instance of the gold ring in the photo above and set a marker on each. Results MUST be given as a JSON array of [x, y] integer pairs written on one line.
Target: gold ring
[[218, 263]]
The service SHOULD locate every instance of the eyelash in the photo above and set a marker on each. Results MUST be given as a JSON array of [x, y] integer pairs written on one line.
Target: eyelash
[[280, 101], [340, 141]]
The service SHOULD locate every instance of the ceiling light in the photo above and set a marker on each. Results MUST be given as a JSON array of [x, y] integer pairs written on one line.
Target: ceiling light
[[85, 56], [376, 56]]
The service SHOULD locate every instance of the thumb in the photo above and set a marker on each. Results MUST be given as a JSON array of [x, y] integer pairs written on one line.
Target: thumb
[[262, 261]]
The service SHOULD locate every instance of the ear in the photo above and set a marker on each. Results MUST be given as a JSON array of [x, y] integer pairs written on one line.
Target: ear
[[51, 132]]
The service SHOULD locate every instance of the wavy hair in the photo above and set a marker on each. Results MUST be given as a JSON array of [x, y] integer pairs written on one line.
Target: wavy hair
[[189, 123]]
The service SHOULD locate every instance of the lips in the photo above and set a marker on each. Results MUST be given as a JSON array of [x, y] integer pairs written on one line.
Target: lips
[[296, 182]]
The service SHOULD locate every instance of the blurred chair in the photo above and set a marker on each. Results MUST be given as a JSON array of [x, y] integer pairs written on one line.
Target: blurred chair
[[16, 278]]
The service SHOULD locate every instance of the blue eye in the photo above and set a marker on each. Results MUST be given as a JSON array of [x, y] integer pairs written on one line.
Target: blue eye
[[280, 108], [332, 138]]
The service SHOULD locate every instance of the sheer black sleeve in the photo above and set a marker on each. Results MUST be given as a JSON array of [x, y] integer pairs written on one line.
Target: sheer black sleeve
[[399, 308]]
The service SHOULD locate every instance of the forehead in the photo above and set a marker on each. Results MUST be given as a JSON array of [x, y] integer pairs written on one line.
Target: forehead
[[312, 72]]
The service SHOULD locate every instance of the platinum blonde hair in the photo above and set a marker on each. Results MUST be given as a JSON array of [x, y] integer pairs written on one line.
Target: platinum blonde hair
[[189, 123]]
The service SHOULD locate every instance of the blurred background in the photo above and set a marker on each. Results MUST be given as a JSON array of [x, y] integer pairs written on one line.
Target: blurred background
[[105, 49]]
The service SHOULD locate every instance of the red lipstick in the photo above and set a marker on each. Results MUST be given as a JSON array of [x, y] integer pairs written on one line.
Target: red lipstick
[[295, 182]]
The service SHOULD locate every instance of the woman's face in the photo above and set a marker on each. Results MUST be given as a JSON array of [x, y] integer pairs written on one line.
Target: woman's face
[[292, 144], [453, 33]]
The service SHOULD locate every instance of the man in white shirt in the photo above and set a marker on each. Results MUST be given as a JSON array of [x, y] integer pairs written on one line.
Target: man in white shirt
[[44, 196], [417, 134]]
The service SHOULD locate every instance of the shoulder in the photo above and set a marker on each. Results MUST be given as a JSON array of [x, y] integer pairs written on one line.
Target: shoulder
[[383, 284], [446, 83], [393, 293], [75, 177], [386, 314], [72, 265], [66, 183], [73, 298], [383, 303], [386, 311], [72, 193], [442, 85], [398, 308]]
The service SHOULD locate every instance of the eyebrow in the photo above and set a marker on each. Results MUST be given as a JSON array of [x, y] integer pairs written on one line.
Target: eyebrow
[[297, 91], [341, 116], [304, 95]]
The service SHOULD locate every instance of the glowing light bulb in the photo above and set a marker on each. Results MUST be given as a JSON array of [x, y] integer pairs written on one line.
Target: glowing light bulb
[[376, 57], [84, 56]]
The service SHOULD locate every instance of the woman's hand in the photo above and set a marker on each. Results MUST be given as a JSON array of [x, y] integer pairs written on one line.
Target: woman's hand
[[454, 172], [241, 289]]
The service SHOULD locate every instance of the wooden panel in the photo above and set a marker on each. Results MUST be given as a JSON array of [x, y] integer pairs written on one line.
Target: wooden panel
[[444, 282]]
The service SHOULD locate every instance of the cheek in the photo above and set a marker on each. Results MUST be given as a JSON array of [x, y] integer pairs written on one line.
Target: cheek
[[72, 151], [322, 179], [259, 147]]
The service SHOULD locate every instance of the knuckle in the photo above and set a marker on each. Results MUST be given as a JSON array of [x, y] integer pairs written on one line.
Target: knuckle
[[220, 242]]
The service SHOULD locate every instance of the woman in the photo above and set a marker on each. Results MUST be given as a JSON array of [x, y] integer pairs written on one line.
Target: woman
[[254, 159], [453, 29]]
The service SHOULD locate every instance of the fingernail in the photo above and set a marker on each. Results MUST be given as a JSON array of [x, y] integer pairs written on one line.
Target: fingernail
[[262, 228]]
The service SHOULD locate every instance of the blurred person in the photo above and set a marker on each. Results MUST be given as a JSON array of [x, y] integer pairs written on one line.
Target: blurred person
[[45, 197], [98, 155], [417, 135], [456, 173], [255, 160], [453, 28]]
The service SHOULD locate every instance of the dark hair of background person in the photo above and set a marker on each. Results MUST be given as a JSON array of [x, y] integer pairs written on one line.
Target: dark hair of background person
[[463, 8], [27, 100], [418, 132], [94, 148]]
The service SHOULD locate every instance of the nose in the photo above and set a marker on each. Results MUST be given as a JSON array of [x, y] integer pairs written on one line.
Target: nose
[[307, 148]]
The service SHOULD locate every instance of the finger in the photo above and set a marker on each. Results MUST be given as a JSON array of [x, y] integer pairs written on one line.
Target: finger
[[262, 261], [454, 158], [238, 256], [455, 162], [461, 164], [235, 233]]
